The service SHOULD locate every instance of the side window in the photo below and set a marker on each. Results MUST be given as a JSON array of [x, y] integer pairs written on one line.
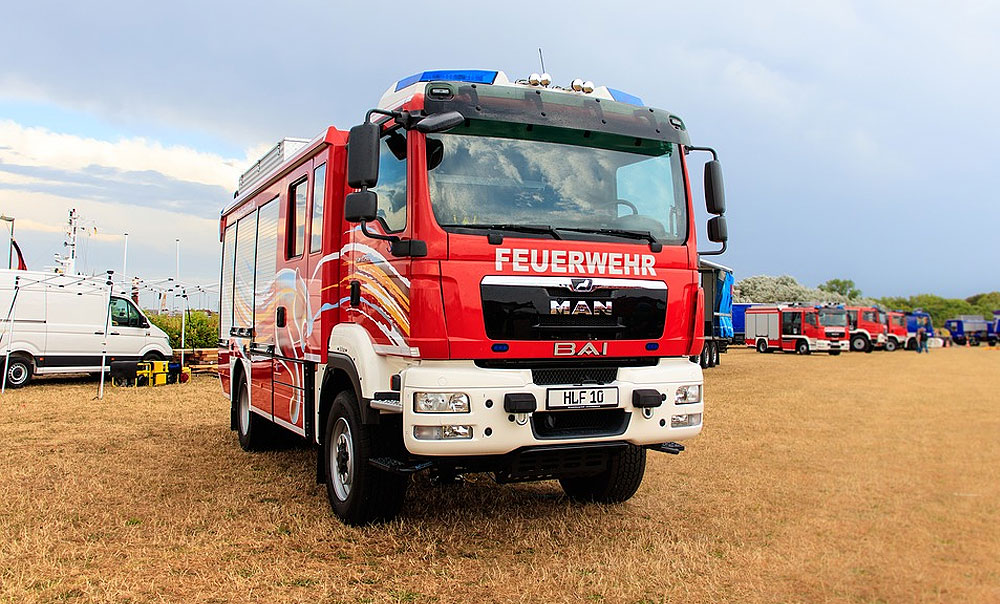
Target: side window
[[319, 197], [811, 319], [852, 318], [391, 188], [119, 312], [295, 233]]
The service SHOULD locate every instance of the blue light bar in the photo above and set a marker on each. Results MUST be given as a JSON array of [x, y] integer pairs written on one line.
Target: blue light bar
[[475, 76], [624, 97]]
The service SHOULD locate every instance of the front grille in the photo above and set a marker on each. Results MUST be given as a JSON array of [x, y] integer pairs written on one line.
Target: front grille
[[574, 375], [539, 465], [579, 424]]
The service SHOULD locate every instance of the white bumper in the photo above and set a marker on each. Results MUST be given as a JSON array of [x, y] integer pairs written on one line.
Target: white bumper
[[827, 345], [486, 389]]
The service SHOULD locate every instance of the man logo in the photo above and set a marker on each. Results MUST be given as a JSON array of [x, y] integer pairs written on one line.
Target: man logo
[[580, 307], [583, 285]]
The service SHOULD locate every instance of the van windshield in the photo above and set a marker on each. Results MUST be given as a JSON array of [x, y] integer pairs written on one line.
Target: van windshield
[[559, 181], [832, 318]]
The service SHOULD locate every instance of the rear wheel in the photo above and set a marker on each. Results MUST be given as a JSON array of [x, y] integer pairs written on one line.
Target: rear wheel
[[717, 350], [802, 347], [253, 431], [713, 354], [761, 345], [617, 483], [359, 493], [19, 370], [703, 359]]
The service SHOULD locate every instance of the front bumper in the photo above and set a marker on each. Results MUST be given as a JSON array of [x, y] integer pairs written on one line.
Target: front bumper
[[827, 345], [486, 389]]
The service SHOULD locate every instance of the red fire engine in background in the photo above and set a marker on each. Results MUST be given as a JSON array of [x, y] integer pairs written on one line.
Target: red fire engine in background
[[485, 275], [796, 328], [896, 333], [868, 329]]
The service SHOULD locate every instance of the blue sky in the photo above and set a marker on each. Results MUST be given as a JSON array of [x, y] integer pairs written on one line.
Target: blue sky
[[858, 138]]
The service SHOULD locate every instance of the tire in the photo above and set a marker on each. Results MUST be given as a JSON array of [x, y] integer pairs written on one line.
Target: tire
[[19, 370], [253, 431], [973, 341], [703, 359], [890, 345], [719, 349], [762, 346], [911, 344], [802, 347], [616, 484], [859, 344], [359, 493], [152, 356], [834, 353], [713, 354]]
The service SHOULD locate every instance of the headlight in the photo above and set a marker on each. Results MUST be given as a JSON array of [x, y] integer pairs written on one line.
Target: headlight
[[689, 393], [440, 402]]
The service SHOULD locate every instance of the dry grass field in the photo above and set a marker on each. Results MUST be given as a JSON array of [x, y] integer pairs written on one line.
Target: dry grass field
[[859, 478]]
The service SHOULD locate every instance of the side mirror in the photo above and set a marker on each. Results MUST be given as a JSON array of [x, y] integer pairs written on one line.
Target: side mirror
[[715, 194], [717, 229], [362, 156], [361, 206], [439, 122]]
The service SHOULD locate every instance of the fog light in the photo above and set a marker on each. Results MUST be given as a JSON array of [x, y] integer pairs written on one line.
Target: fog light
[[689, 393], [442, 432], [440, 402], [685, 420]]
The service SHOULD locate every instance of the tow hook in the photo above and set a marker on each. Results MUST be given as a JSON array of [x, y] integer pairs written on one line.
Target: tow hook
[[671, 447]]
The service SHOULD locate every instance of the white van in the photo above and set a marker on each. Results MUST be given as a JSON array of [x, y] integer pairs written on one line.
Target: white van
[[59, 324]]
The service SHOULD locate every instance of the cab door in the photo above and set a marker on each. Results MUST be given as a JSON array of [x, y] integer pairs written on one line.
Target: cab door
[[791, 326], [380, 282], [126, 334]]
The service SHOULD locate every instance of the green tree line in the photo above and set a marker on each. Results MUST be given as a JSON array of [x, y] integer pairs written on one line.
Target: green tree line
[[200, 331]]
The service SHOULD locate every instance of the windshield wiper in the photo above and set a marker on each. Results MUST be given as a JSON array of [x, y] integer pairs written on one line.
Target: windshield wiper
[[541, 229], [646, 235]]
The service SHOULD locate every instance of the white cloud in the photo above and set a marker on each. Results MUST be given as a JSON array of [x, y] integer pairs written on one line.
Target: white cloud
[[28, 146]]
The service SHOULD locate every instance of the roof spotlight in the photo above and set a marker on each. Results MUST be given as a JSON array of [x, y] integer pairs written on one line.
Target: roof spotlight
[[545, 79], [577, 85], [588, 86], [533, 79]]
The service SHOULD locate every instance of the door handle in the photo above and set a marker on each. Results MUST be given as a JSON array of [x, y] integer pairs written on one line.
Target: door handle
[[98, 333], [114, 333], [279, 318], [355, 293]]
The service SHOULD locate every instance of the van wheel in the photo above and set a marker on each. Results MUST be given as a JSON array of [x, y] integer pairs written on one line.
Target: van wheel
[[19, 370], [859, 344], [359, 493], [152, 356], [762, 346], [616, 484], [252, 430], [802, 347], [890, 345]]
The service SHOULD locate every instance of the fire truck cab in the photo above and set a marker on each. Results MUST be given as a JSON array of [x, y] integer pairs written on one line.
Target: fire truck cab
[[896, 333], [485, 275], [796, 328], [868, 330]]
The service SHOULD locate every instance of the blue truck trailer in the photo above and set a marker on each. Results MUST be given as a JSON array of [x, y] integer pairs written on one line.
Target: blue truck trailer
[[971, 329], [717, 283]]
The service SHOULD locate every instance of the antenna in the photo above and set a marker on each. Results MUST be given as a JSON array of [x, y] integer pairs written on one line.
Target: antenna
[[541, 60]]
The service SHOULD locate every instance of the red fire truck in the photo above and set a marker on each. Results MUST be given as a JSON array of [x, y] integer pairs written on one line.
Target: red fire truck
[[484, 276], [868, 330], [797, 328], [896, 334]]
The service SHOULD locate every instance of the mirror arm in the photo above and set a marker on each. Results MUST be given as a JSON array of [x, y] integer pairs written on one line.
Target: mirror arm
[[367, 233], [714, 252], [715, 155], [395, 114]]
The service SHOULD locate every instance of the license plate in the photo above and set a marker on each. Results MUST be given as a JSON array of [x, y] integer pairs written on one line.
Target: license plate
[[575, 398]]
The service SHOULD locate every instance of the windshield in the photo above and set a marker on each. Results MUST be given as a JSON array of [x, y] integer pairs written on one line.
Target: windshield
[[478, 181], [832, 318]]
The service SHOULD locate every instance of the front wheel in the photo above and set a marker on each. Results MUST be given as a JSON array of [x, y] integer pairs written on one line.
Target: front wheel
[[615, 484], [890, 346], [859, 344], [359, 493], [18, 370], [834, 353], [802, 347]]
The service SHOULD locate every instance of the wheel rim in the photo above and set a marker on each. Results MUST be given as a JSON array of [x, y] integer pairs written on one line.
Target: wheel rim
[[761, 346], [17, 373], [244, 411], [341, 460], [859, 344]]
